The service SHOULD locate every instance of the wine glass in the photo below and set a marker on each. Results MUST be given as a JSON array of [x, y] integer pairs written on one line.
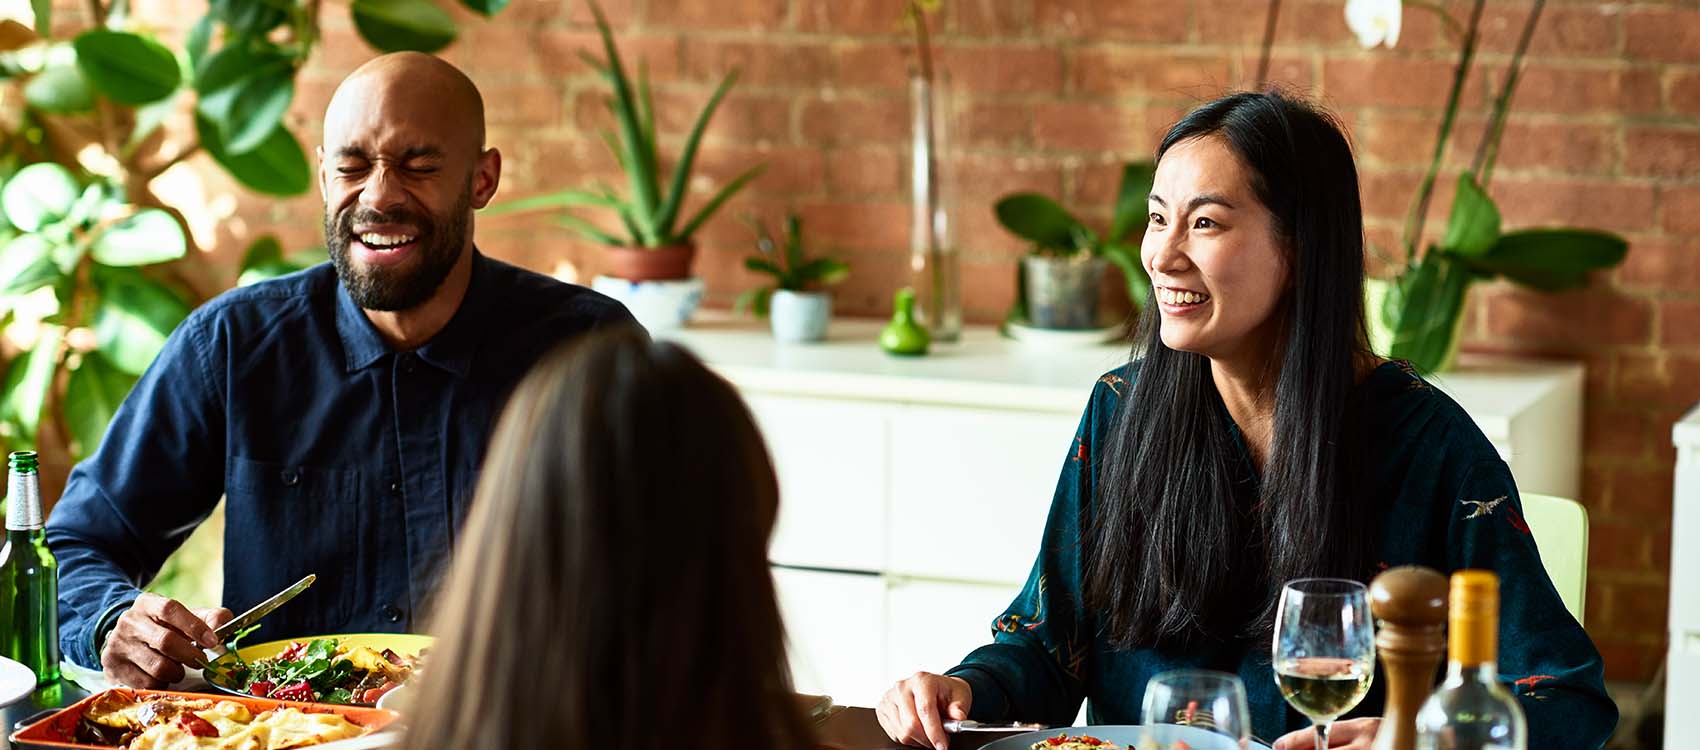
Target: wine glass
[[1324, 649], [1199, 699]]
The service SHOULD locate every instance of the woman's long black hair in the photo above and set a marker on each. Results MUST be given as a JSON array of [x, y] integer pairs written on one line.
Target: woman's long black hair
[[1174, 558]]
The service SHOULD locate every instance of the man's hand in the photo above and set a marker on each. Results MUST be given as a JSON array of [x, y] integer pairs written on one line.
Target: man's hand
[[152, 642], [1352, 734], [913, 711]]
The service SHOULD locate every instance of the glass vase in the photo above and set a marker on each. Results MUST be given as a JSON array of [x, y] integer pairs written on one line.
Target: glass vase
[[936, 273]]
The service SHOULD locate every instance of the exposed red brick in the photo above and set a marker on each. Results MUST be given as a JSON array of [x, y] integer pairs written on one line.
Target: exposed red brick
[[1681, 208], [1117, 72], [1139, 20], [1642, 493], [989, 18], [829, 122], [718, 14], [1572, 31], [1089, 127], [1599, 204], [874, 64], [1572, 90], [1662, 152], [1670, 265], [559, 54], [758, 64], [1618, 546], [1593, 317], [994, 124], [1684, 96], [1662, 34], [882, 226], [1004, 69], [855, 17], [1680, 323], [1390, 81], [865, 171]]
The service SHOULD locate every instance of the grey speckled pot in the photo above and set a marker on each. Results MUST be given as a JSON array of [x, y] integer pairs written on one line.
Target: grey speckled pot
[[799, 316], [1063, 292]]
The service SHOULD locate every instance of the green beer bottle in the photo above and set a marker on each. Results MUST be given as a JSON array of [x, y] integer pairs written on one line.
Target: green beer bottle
[[29, 577]]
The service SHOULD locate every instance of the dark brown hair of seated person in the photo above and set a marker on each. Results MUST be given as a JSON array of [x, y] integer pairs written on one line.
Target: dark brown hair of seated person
[[611, 588]]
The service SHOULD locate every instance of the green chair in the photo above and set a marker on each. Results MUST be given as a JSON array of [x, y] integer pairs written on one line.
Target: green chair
[[1560, 527]]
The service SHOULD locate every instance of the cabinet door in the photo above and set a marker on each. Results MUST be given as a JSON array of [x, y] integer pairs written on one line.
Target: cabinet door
[[835, 628], [971, 490], [933, 624], [831, 461]]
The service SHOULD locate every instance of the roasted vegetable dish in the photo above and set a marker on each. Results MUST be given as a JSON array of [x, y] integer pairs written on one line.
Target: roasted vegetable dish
[[172, 723], [317, 671]]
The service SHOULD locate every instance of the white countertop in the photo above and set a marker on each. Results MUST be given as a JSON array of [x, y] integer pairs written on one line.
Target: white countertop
[[984, 369], [1686, 433]]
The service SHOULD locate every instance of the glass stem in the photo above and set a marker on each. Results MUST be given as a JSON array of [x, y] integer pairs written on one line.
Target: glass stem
[[1321, 735]]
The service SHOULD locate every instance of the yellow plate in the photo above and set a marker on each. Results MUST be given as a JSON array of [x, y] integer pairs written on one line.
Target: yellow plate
[[406, 644]]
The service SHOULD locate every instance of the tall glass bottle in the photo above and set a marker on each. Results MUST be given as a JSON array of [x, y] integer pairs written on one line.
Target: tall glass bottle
[[1471, 710], [29, 576], [935, 266]]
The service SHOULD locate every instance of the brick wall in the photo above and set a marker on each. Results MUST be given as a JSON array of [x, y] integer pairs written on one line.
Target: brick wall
[[1054, 93]]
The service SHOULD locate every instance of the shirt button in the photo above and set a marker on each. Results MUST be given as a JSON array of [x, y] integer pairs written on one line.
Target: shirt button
[[392, 613], [290, 477], [395, 488], [407, 364]]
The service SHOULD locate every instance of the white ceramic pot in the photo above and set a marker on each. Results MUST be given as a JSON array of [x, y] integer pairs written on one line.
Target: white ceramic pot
[[799, 316], [659, 306]]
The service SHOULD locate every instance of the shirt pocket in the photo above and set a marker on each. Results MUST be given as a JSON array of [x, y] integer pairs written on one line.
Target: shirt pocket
[[284, 521]]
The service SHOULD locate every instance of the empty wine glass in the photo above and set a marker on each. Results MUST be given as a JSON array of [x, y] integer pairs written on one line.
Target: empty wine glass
[[1324, 650], [1187, 703]]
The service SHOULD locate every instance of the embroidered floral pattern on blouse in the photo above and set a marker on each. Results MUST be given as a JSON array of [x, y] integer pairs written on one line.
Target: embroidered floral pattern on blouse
[[1482, 507], [1532, 686], [1114, 381], [1517, 521], [1079, 456], [1014, 622], [1417, 383]]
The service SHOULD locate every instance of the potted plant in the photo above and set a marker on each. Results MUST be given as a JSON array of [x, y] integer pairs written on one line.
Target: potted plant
[[1058, 281], [649, 267], [794, 305]]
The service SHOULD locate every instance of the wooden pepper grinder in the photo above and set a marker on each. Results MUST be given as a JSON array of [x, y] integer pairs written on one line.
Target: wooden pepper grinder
[[1410, 602]]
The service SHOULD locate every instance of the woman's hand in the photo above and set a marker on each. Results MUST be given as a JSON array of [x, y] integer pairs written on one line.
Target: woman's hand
[[914, 710], [1352, 734]]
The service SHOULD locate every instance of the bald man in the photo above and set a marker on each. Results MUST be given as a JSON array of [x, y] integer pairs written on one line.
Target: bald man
[[341, 411]]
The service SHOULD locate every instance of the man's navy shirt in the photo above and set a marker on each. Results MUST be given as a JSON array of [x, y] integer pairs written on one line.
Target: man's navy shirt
[[336, 455]]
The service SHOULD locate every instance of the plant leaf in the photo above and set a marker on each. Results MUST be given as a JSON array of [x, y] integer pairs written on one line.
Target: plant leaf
[[1429, 304], [197, 43], [38, 195], [1550, 259], [261, 252], [587, 230], [128, 68], [249, 18], [753, 300], [246, 93], [562, 199], [824, 271], [43, 17], [793, 240], [485, 8], [149, 117], [28, 381], [60, 89], [148, 236], [1130, 201], [133, 317], [640, 159], [1474, 223], [277, 166], [27, 264], [687, 157], [1035, 217], [709, 208], [763, 265], [1126, 257], [92, 396], [398, 25]]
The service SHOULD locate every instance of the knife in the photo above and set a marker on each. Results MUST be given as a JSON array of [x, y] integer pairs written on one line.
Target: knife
[[225, 631], [967, 725]]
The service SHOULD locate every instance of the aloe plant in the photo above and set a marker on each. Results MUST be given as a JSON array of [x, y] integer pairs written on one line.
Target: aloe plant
[[1056, 232], [650, 216], [791, 270]]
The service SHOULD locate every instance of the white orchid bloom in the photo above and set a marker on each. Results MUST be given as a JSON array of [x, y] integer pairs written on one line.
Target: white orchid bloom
[[1375, 21]]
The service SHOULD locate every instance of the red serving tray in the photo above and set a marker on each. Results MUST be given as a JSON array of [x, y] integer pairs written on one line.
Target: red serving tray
[[57, 730]]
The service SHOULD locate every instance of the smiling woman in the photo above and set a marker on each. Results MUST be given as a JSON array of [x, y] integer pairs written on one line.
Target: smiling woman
[[1253, 439]]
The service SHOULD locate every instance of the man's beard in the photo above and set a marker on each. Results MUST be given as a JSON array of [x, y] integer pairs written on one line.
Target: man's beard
[[396, 288]]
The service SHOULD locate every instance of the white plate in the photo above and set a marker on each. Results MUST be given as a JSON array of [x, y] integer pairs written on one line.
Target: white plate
[[1062, 338], [16, 681], [1132, 738]]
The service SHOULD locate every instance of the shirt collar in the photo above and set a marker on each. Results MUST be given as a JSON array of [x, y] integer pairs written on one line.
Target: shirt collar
[[450, 350]]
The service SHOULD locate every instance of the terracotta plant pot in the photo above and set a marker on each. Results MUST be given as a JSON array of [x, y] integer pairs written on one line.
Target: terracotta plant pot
[[651, 263]]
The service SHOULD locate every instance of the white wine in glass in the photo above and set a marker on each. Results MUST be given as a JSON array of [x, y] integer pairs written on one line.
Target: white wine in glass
[[1324, 650]]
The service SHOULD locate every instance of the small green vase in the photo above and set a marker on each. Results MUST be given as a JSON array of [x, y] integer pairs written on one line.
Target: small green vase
[[903, 336]]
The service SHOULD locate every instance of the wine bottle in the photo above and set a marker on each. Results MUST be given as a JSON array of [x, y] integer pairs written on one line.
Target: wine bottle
[[1471, 710], [29, 577]]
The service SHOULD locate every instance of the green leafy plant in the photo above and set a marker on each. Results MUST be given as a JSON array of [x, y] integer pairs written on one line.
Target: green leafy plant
[[791, 270], [1424, 303], [89, 279], [651, 216], [1056, 232]]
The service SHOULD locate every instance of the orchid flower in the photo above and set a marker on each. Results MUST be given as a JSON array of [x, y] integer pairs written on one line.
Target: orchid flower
[[1375, 21]]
